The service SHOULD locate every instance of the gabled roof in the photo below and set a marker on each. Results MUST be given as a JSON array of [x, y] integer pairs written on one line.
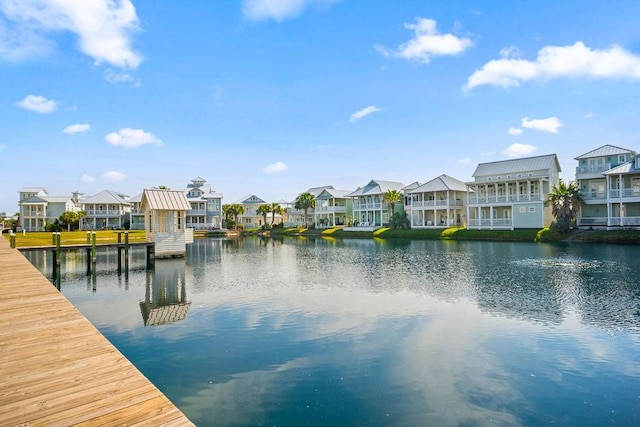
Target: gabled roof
[[605, 150], [377, 186], [107, 196], [525, 164], [332, 193], [164, 200], [136, 199], [250, 199], [411, 186], [441, 183], [317, 190], [34, 199], [34, 190]]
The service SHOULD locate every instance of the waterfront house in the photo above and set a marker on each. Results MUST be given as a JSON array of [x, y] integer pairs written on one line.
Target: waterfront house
[[165, 213], [609, 180], [295, 217], [251, 218], [369, 209], [105, 210], [437, 203], [38, 208], [136, 216], [206, 205], [333, 207], [511, 194]]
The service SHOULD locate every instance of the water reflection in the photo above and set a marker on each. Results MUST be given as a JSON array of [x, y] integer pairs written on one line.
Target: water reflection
[[165, 293], [374, 332]]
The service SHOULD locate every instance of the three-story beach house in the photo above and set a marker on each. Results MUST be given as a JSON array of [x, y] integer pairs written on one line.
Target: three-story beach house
[[437, 203], [206, 205], [609, 180], [511, 194], [251, 218]]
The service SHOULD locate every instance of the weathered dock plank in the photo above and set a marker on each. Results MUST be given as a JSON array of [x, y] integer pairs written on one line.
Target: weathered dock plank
[[57, 369]]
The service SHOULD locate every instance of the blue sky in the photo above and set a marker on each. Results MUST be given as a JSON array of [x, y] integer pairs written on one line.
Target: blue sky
[[272, 97]]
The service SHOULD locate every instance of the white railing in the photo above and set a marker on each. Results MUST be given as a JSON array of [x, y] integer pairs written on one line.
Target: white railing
[[364, 206], [595, 195], [593, 168], [593, 220], [331, 209], [98, 212], [624, 192], [503, 199], [196, 211]]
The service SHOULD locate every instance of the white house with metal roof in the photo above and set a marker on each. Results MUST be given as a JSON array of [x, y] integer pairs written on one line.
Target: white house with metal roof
[[165, 213], [251, 218], [369, 209], [609, 180], [105, 210], [511, 194], [206, 205], [38, 208], [437, 203]]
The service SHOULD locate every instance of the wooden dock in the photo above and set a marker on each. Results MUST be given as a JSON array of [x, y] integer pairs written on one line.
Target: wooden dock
[[57, 369]]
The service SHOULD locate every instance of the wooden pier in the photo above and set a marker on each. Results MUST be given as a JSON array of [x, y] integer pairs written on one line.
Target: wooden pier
[[57, 369]]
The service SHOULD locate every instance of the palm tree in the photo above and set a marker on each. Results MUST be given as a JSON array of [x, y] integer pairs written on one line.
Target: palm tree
[[276, 209], [305, 201], [391, 197], [566, 201], [81, 214], [264, 210], [233, 210]]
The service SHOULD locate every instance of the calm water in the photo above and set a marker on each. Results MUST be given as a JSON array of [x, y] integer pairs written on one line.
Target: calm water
[[368, 332]]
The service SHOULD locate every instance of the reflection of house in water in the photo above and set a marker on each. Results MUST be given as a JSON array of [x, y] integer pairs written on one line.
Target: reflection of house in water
[[166, 293]]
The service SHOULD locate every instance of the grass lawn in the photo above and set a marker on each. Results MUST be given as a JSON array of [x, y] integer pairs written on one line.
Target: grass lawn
[[73, 238]]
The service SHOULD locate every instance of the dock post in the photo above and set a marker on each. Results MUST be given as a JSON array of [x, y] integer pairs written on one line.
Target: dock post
[[88, 261], [88, 237], [94, 255], [12, 239], [126, 253], [119, 260], [119, 236], [53, 238]]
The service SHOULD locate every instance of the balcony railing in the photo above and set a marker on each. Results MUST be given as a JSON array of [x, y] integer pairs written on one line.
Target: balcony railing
[[364, 206], [593, 168], [98, 212], [503, 199], [593, 220], [433, 203], [331, 209], [624, 192]]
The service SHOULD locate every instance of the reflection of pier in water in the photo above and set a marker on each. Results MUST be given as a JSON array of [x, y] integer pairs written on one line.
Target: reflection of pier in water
[[166, 293]]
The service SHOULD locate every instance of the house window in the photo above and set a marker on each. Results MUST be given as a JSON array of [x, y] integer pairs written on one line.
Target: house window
[[532, 209], [621, 158], [522, 209]]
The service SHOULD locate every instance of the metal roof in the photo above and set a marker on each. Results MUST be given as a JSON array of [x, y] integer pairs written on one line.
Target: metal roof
[[376, 186], [605, 150], [525, 164], [250, 199], [329, 193], [164, 200], [629, 167], [106, 196], [441, 183]]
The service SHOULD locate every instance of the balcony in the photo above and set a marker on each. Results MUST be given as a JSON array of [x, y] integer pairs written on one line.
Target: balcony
[[488, 223], [593, 169], [330, 209], [366, 206], [493, 200], [104, 213], [624, 192]]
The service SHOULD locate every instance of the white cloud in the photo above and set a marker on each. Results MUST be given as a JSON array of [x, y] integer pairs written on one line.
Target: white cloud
[[87, 178], [103, 28], [114, 176], [276, 167], [427, 43], [464, 162], [551, 125], [519, 150], [488, 153], [553, 62], [37, 103], [279, 10], [510, 52], [363, 113], [115, 78], [589, 115], [77, 128], [132, 138], [515, 131]]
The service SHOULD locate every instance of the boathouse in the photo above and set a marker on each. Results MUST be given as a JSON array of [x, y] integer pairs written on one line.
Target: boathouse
[[165, 213]]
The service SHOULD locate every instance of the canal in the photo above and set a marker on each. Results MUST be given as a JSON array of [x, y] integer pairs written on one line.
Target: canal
[[376, 333]]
